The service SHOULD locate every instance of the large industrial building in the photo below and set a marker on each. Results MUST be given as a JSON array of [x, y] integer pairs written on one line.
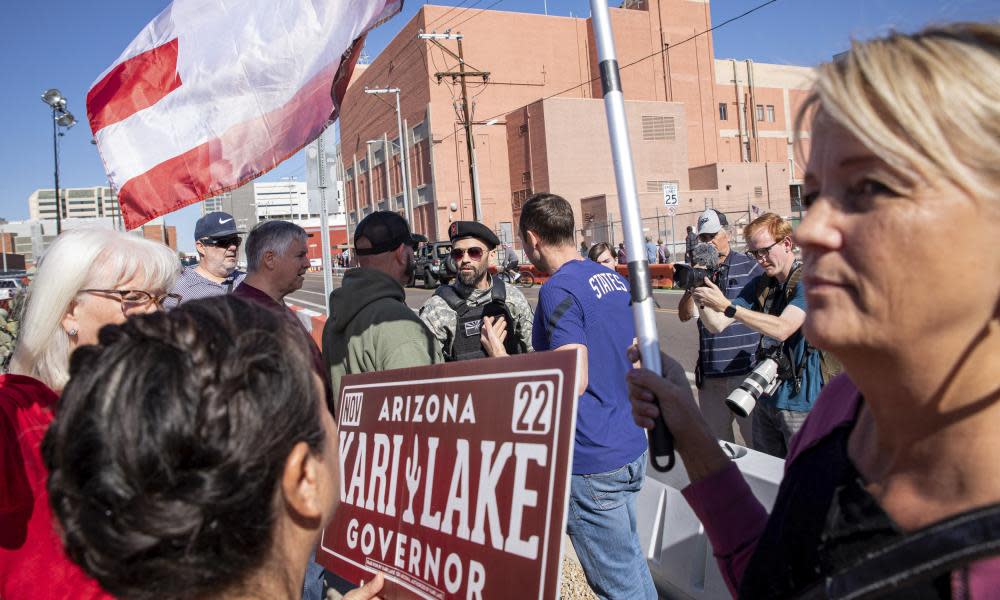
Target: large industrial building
[[720, 129]]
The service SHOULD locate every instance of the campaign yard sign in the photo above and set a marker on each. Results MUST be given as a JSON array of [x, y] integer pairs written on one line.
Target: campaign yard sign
[[454, 478]]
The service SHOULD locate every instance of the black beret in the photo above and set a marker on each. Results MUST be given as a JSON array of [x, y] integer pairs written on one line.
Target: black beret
[[464, 229]]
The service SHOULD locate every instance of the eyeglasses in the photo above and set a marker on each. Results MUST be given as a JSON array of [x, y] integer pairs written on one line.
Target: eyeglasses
[[761, 252], [134, 300], [222, 242], [475, 253]]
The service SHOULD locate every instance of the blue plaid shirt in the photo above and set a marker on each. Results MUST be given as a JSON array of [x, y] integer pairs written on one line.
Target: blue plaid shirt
[[191, 285]]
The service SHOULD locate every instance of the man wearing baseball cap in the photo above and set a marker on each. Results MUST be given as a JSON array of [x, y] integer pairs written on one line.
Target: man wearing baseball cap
[[477, 315], [218, 244], [724, 358], [372, 328]]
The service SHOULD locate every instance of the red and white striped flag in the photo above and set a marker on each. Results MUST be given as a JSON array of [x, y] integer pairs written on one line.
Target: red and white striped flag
[[213, 93]]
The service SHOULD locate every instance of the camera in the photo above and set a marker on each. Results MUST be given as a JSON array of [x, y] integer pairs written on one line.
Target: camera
[[706, 267], [762, 381], [688, 277]]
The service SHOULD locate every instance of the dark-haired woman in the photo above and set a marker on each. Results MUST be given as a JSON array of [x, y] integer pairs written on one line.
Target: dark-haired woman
[[193, 456]]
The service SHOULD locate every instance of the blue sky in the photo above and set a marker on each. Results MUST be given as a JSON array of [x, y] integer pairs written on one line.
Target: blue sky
[[67, 45]]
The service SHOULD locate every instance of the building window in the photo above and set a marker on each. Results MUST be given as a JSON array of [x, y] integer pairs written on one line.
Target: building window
[[656, 127], [758, 192], [423, 194], [655, 186], [770, 113], [760, 112], [523, 130], [723, 111], [419, 132], [526, 177]]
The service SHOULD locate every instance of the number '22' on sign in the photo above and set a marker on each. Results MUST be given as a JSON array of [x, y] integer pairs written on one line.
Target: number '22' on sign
[[533, 402]]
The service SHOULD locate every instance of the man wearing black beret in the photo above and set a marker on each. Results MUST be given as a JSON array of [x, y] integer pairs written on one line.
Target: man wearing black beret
[[477, 315]]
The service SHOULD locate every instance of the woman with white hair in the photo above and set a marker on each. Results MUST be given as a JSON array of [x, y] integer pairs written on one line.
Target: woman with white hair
[[87, 279], [890, 488]]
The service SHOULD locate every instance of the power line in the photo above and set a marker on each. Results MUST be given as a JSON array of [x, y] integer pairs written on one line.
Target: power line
[[633, 63], [456, 25], [446, 13]]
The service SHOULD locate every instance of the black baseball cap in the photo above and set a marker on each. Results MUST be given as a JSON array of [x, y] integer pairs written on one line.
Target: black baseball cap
[[386, 231], [215, 225]]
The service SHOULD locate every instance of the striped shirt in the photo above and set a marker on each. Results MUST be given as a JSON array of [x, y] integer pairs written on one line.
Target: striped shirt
[[191, 285], [731, 351]]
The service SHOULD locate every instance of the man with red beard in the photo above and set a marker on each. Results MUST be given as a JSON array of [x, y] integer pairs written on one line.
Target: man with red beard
[[477, 315]]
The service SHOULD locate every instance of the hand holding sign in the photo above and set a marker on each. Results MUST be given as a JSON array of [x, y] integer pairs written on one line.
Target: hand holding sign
[[367, 591]]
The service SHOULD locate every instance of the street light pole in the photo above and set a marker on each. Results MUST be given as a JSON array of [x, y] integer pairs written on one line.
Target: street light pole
[[55, 153], [404, 163], [60, 118]]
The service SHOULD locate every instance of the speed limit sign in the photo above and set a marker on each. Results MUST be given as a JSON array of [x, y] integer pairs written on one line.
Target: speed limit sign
[[670, 194]]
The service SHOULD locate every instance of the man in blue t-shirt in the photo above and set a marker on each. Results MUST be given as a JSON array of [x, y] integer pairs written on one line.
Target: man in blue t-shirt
[[775, 305], [585, 306]]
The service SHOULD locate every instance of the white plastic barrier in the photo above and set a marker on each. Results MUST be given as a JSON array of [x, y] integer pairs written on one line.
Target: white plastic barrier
[[677, 550]]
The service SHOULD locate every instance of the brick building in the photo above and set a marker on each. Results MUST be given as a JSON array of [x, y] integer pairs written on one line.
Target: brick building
[[721, 129]]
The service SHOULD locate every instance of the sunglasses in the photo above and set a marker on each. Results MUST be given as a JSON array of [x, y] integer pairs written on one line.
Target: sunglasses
[[222, 242], [475, 253]]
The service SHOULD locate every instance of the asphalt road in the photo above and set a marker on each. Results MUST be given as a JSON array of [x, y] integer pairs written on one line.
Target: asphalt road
[[680, 340]]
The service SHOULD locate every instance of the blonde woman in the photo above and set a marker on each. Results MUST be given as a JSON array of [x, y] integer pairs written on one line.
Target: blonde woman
[[87, 279], [891, 487]]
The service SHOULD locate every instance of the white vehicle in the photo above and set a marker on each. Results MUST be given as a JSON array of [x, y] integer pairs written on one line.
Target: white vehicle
[[9, 288]]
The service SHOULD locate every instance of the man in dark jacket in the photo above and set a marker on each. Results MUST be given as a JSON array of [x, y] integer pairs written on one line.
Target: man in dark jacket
[[372, 328]]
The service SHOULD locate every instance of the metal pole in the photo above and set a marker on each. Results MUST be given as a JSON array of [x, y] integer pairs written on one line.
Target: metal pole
[[55, 153], [371, 180], [386, 157], [470, 143], [3, 240], [324, 223], [673, 237], [660, 442], [404, 164]]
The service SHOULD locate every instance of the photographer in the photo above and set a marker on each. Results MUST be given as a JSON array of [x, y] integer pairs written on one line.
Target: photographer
[[773, 304], [724, 356]]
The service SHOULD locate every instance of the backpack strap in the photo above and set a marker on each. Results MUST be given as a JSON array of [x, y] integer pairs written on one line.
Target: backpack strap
[[918, 556]]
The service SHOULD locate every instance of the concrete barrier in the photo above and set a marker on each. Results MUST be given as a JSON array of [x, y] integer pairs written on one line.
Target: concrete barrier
[[677, 550]]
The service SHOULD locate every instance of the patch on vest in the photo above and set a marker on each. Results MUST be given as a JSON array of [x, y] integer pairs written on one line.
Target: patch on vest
[[472, 327]]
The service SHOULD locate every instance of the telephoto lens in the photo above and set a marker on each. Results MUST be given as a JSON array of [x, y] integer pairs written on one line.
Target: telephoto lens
[[762, 381]]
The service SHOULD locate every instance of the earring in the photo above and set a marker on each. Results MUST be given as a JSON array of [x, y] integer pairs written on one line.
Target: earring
[[72, 332]]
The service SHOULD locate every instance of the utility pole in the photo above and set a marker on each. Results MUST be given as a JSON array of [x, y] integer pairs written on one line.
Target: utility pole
[[404, 160], [461, 75]]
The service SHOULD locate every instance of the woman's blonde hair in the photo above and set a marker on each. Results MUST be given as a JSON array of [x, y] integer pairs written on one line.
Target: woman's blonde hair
[[927, 103], [80, 259]]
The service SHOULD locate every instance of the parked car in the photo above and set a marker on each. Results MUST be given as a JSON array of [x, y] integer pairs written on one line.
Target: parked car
[[9, 286], [432, 260]]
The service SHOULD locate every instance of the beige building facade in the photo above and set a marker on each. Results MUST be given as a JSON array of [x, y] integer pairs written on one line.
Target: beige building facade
[[539, 124]]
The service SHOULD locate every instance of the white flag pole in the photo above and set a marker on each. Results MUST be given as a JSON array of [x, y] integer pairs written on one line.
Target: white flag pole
[[661, 445], [324, 222]]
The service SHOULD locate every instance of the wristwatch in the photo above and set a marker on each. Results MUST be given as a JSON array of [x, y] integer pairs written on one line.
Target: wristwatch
[[730, 311]]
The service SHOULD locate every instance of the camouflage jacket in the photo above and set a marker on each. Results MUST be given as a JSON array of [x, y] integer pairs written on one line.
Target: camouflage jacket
[[441, 319]]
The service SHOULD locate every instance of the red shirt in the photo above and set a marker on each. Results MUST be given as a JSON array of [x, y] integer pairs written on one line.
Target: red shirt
[[32, 561]]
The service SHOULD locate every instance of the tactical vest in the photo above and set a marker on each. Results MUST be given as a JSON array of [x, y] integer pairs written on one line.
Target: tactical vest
[[466, 343]]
